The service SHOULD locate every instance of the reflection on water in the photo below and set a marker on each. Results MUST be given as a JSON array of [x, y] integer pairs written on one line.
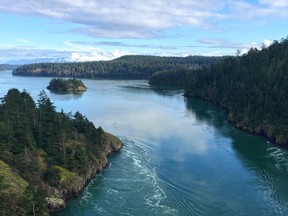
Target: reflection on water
[[66, 96], [260, 157], [117, 193], [181, 154]]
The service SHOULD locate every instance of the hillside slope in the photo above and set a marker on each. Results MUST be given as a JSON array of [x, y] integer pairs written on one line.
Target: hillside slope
[[253, 88], [126, 67], [46, 157]]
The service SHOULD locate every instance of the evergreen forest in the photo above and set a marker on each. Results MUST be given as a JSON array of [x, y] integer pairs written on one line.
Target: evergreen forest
[[66, 85], [253, 88], [125, 67], [46, 156]]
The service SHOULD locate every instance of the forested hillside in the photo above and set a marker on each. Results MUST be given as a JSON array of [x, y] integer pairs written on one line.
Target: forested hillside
[[170, 78], [46, 156], [126, 67], [253, 88]]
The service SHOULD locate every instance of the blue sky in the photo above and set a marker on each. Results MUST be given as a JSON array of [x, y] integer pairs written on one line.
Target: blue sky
[[83, 30]]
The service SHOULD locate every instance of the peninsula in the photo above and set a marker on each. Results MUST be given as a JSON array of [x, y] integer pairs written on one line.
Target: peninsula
[[47, 157]]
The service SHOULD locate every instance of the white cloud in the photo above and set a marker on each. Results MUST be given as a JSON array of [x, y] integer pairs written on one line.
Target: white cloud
[[24, 40], [254, 45], [244, 51], [275, 3], [220, 42], [84, 51], [76, 52], [144, 19], [96, 56], [267, 43], [8, 53], [223, 43], [125, 18], [258, 46], [87, 52], [81, 47], [263, 10]]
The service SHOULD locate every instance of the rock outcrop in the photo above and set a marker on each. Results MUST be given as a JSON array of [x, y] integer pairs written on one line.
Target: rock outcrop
[[72, 184]]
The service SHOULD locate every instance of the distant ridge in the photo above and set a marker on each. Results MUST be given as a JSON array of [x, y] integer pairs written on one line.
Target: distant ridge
[[125, 67]]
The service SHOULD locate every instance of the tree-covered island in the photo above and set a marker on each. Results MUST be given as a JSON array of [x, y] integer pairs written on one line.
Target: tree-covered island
[[46, 157], [66, 85]]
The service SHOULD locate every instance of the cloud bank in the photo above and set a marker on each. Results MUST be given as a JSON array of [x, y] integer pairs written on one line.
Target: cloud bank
[[144, 19], [113, 22], [29, 53]]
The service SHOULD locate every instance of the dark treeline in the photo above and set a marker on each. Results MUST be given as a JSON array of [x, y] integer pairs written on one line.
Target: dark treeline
[[170, 78], [42, 152], [253, 88], [125, 67]]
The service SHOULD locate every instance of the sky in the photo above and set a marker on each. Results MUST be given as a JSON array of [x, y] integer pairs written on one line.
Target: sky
[[88, 30]]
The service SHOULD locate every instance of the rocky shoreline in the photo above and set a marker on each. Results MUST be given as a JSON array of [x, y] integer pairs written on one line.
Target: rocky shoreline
[[261, 130], [66, 85], [58, 197]]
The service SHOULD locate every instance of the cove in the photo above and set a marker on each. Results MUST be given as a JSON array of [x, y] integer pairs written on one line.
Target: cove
[[181, 156]]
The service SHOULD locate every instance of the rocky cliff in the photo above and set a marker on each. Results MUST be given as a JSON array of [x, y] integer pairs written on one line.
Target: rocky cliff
[[71, 184]]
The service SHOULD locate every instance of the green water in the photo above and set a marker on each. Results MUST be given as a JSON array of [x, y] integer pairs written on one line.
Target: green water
[[181, 156]]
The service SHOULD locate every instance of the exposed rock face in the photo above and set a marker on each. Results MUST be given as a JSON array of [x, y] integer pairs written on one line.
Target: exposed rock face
[[55, 204], [262, 129], [72, 185], [111, 144]]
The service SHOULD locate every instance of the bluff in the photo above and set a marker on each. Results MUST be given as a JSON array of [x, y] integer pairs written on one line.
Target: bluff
[[46, 157], [125, 67]]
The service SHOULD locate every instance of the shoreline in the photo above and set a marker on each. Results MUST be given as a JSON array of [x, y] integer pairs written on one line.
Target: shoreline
[[58, 199], [261, 130]]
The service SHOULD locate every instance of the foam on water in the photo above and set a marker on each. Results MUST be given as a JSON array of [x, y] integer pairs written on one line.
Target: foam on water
[[130, 186], [147, 178]]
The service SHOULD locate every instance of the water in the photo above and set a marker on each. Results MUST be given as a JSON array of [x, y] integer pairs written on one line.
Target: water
[[181, 156]]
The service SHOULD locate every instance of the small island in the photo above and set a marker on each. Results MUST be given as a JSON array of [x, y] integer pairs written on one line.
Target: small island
[[66, 85]]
